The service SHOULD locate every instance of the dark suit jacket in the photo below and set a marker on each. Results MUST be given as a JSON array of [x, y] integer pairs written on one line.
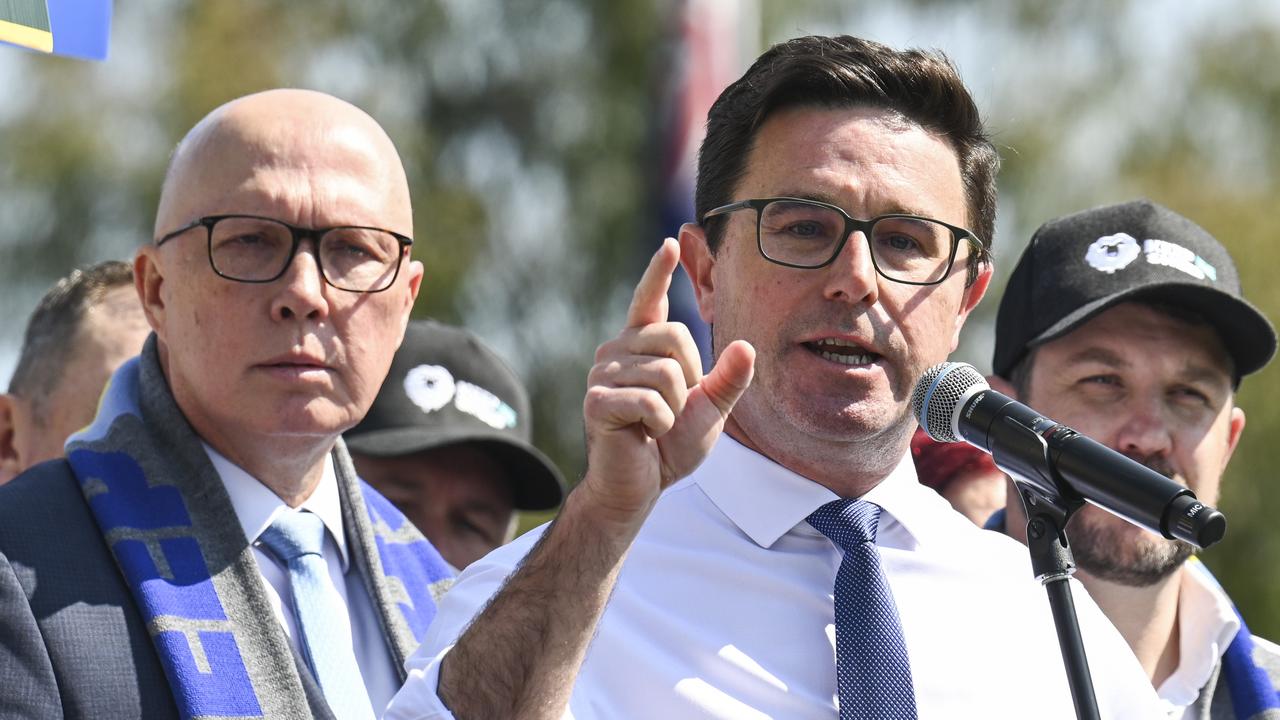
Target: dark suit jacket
[[72, 644]]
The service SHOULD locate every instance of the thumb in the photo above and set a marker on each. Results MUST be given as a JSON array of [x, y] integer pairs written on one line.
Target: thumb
[[731, 375]]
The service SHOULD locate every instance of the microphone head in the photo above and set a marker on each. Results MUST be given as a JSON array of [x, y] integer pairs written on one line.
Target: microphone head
[[937, 395]]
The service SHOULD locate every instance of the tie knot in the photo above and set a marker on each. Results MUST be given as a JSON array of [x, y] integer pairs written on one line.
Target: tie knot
[[847, 522], [294, 534]]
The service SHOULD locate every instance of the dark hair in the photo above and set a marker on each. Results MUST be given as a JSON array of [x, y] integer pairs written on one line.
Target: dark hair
[[53, 326], [838, 72]]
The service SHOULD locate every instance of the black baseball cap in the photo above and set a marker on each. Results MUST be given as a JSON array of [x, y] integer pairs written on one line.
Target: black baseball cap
[[1078, 266], [445, 388]]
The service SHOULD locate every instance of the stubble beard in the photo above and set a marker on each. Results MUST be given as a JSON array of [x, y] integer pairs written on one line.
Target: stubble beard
[[1105, 546]]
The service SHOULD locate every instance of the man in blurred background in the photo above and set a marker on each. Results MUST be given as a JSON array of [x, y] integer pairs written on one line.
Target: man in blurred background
[[1127, 323], [84, 327], [206, 549], [448, 440]]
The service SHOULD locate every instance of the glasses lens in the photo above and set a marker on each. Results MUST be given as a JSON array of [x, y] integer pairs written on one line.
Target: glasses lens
[[360, 259], [799, 233], [911, 249], [249, 249]]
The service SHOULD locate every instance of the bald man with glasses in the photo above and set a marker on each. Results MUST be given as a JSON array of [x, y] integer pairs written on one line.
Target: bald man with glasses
[[206, 549]]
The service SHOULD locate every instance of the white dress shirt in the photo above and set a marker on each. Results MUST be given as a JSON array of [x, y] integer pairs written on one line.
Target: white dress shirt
[[256, 508], [1207, 624], [724, 609]]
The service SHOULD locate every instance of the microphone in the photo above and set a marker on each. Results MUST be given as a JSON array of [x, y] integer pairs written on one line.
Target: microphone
[[954, 403]]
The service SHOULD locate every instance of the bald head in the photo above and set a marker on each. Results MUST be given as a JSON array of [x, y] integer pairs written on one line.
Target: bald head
[[291, 132], [269, 370]]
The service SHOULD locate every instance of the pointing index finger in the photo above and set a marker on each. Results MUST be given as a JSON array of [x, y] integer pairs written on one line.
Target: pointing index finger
[[649, 303]]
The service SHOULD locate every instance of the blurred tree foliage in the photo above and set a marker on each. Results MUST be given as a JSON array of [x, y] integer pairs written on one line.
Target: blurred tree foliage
[[528, 131]]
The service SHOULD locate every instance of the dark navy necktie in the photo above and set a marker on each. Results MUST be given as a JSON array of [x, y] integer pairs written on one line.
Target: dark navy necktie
[[873, 672]]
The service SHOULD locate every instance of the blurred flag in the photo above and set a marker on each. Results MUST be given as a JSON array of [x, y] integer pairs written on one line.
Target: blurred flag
[[716, 39], [78, 28]]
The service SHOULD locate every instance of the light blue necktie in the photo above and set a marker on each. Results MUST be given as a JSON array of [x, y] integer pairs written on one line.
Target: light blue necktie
[[873, 672], [296, 539]]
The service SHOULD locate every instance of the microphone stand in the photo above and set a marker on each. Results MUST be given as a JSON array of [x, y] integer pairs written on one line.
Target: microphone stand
[[1053, 565], [1048, 508]]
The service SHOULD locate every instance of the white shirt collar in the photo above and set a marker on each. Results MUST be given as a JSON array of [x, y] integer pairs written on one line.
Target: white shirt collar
[[257, 506], [1207, 623], [766, 500]]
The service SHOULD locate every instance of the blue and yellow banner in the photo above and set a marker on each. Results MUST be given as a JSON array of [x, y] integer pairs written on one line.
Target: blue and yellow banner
[[77, 28]]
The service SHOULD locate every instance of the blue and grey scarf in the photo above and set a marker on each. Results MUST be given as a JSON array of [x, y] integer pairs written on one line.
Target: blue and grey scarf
[[1252, 692], [171, 527]]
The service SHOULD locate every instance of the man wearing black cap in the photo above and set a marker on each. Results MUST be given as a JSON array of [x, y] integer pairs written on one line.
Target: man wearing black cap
[[448, 441], [1127, 323]]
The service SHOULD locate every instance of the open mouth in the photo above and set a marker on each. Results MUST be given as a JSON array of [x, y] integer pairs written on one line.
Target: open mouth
[[841, 351]]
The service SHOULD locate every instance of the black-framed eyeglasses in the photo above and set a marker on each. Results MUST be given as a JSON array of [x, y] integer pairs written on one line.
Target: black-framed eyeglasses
[[810, 234], [254, 249]]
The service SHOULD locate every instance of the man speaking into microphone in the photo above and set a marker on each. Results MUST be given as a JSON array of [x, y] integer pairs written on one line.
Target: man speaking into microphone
[[1126, 323], [791, 566]]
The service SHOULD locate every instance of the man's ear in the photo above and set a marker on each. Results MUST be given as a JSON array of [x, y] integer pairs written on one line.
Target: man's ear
[[416, 272], [1234, 429], [148, 281], [697, 260], [11, 463], [972, 296]]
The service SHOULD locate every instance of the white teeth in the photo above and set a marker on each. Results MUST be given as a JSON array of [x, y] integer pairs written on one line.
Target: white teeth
[[833, 342], [846, 359]]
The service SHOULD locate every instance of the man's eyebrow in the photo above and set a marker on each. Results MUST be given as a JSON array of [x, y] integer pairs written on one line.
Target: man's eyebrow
[[484, 508], [1195, 373], [894, 209], [819, 196], [1097, 355], [1190, 372]]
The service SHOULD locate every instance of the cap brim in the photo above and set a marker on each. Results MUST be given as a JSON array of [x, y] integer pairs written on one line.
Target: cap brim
[[1246, 333], [536, 482]]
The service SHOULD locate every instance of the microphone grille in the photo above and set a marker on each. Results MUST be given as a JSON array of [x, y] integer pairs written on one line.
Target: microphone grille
[[938, 392]]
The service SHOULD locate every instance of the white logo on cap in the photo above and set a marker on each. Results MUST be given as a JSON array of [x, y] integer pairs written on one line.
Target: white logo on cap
[[1112, 252], [1163, 252], [484, 405], [431, 387]]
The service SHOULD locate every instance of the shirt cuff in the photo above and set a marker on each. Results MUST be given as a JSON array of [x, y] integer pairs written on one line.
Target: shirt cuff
[[419, 698]]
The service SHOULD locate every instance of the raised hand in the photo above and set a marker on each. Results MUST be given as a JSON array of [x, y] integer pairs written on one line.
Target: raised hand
[[651, 416]]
